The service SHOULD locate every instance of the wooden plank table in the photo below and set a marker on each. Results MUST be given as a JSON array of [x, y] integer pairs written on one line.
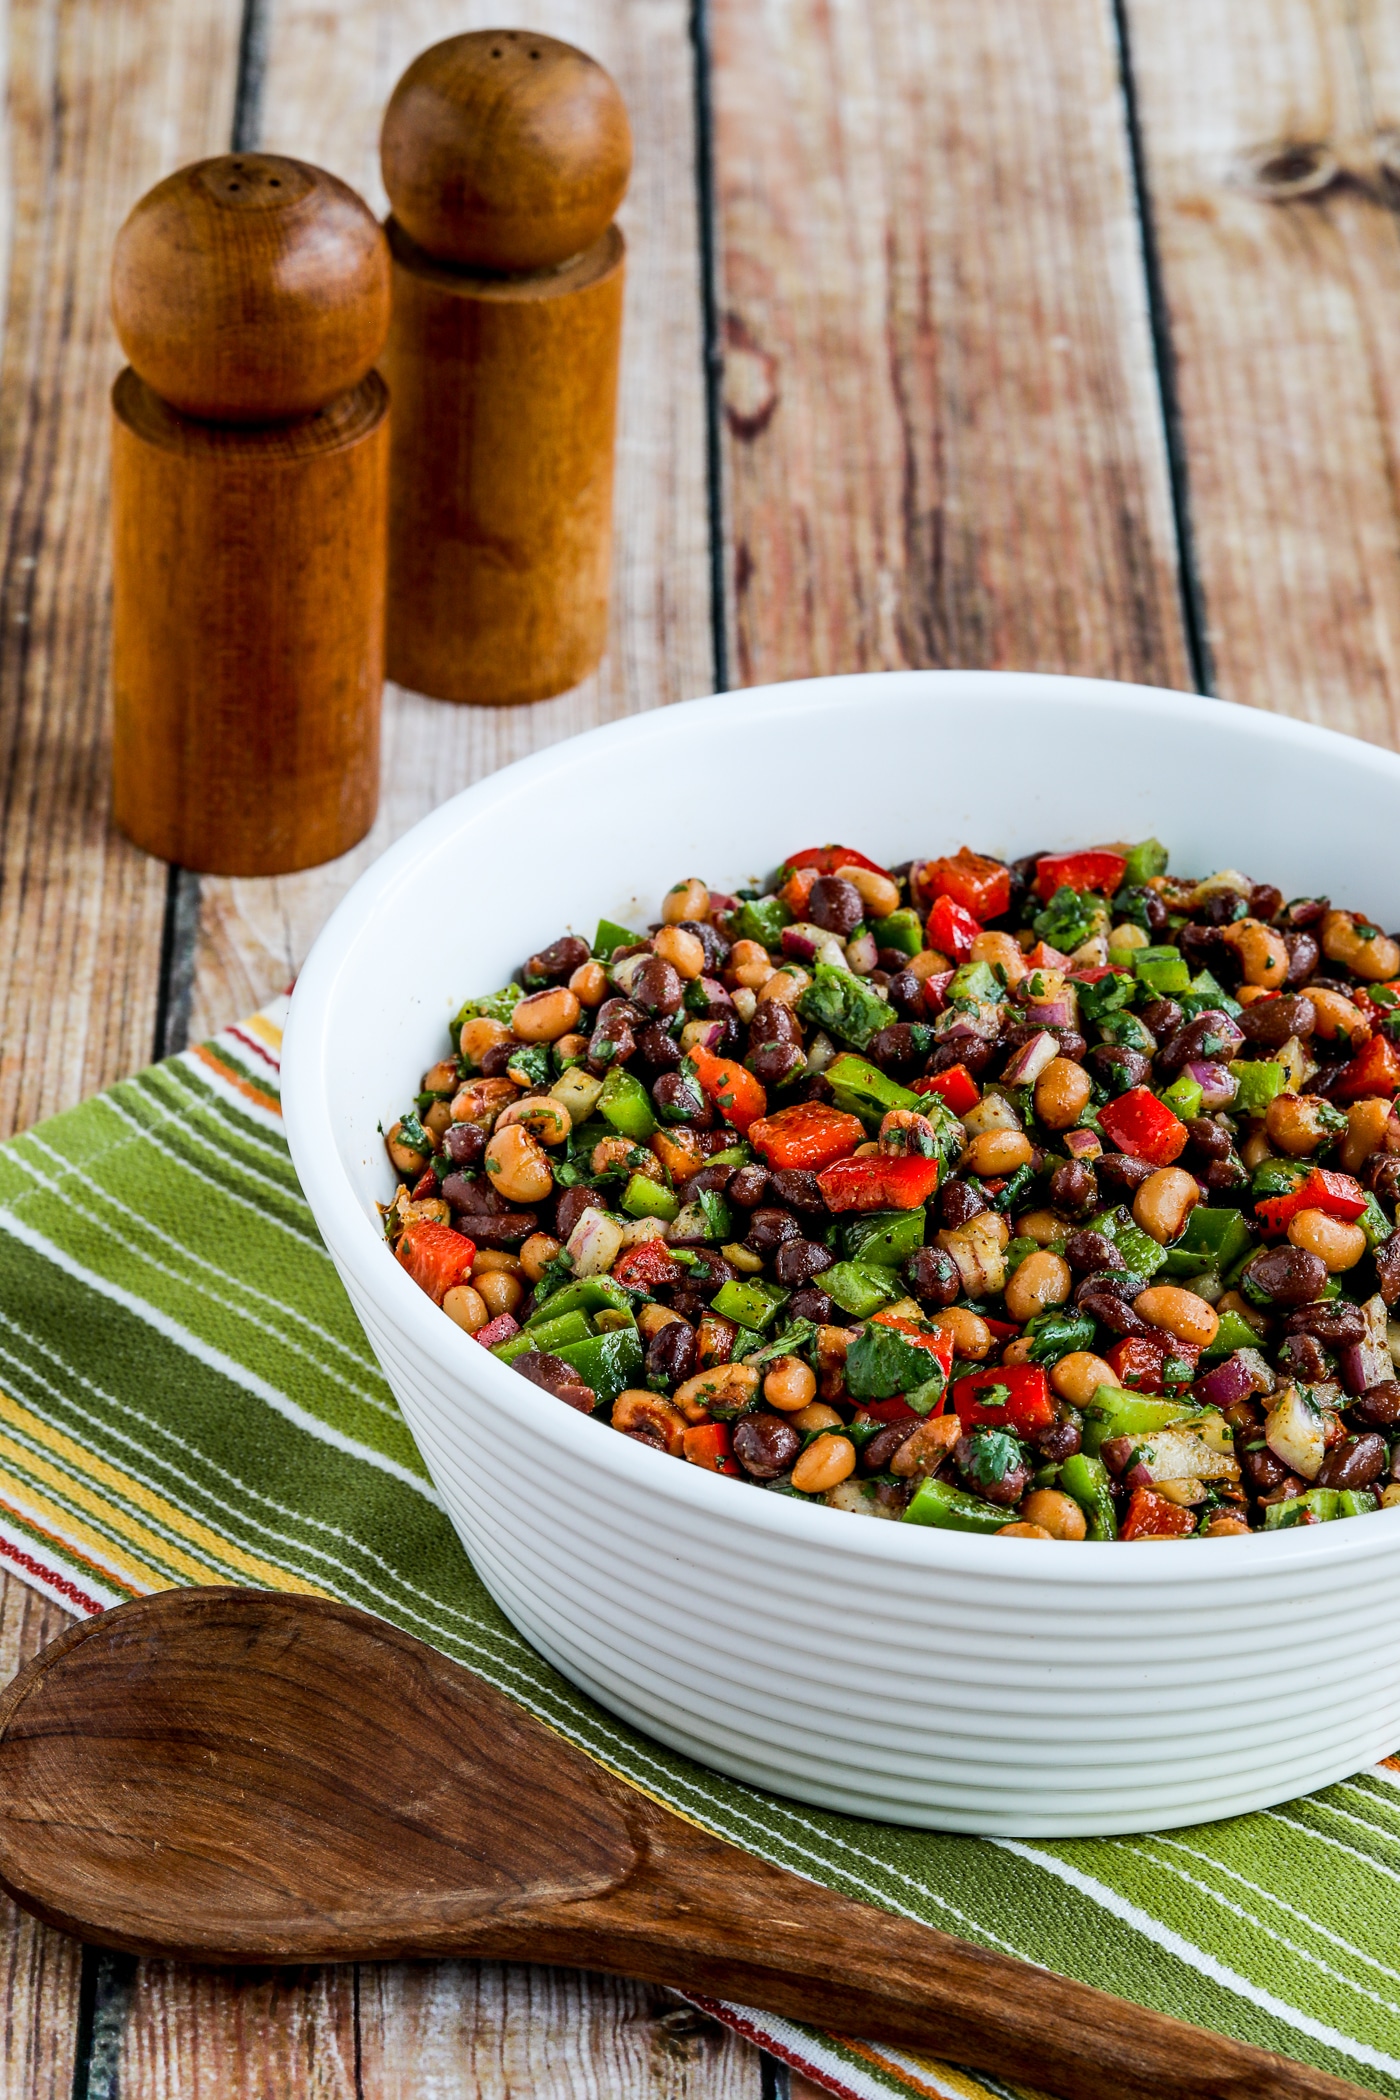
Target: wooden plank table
[[959, 332]]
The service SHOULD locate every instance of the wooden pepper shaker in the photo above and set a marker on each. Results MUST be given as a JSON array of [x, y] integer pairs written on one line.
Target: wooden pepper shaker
[[505, 156], [250, 499]]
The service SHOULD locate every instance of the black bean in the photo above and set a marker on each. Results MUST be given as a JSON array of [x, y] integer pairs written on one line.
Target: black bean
[[933, 1277], [876, 1456], [1004, 1492], [1210, 1139], [1288, 1275], [571, 1207], [657, 987], [658, 1048], [1221, 908], [811, 1305], [554, 1376], [688, 1302], [1211, 1034], [1117, 1067], [1202, 947], [1087, 1252], [673, 1353], [749, 1186], [1163, 1017], [1225, 1176], [897, 1048], [769, 1228], [891, 963], [558, 961], [1124, 1176], [774, 1022], [496, 1061], [798, 1261], [1265, 901], [1074, 1188], [972, 1052], [799, 1189], [1261, 1470], [709, 1270], [1305, 911], [765, 1445], [816, 1087], [716, 1178], [505, 1229], [1334, 1320], [907, 993], [464, 1144], [1096, 1298], [1304, 955], [474, 1194], [1356, 1463], [958, 1201], [1379, 1405], [835, 905], [679, 1100], [772, 1063], [1300, 1356], [1270, 1022], [1060, 1441], [716, 947], [614, 1038], [1388, 1252]]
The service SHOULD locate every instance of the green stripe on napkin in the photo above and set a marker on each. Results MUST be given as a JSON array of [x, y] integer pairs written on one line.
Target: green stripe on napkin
[[186, 1396]]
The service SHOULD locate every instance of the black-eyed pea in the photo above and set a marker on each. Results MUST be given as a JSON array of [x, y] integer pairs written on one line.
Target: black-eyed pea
[[407, 1159], [1256, 1148], [466, 1307], [499, 1292], [1078, 1376], [1178, 1313], [789, 1384], [685, 952], [652, 1318], [786, 985], [1226, 1524], [877, 892], [1164, 1202], [516, 1166], [650, 1419], [545, 1118], [1056, 1513], [686, 900], [1253, 1315], [1062, 1093], [1337, 1244], [731, 1385], [1296, 1124], [1042, 1226], [542, 1017], [1001, 951], [1390, 1496], [816, 1415], [1368, 1124], [925, 1449], [972, 1337], [1338, 1015], [431, 1208], [480, 1034], [749, 965], [929, 962], [904, 1130], [822, 1465], [1364, 949], [440, 1078], [996, 1152], [1022, 1531], [480, 1101], [1035, 1284], [437, 1118], [537, 1253], [589, 984], [1262, 952], [499, 1258]]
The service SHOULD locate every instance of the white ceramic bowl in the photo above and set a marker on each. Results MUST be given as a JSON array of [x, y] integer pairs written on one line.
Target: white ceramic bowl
[[923, 1676]]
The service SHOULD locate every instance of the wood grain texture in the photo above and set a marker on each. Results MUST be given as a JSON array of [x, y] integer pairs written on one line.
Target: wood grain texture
[[103, 96], [330, 73], [1271, 173], [40, 1970], [239, 1775], [944, 440]]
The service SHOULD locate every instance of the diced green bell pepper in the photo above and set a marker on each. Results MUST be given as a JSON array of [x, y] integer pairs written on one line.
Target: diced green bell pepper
[[939, 1503], [762, 919], [1086, 1479], [1206, 995], [862, 1089], [1233, 1333], [608, 1362], [1281, 1516], [902, 930], [1143, 862], [736, 1155], [493, 1006], [858, 1288], [645, 1198], [748, 1304], [885, 1237], [1138, 1248], [1114, 1412], [1183, 1097], [719, 1218], [975, 980], [842, 1004], [585, 1294], [625, 1103], [1017, 1251], [1165, 970], [1260, 1082], [1356, 1502], [1213, 1239], [610, 935], [1279, 1177], [569, 1327], [1374, 1223]]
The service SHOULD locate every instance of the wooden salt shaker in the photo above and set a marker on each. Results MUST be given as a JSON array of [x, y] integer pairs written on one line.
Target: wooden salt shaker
[[250, 494], [505, 156]]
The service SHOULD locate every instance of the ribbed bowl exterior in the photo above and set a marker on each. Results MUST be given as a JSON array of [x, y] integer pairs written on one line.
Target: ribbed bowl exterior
[[995, 1686]]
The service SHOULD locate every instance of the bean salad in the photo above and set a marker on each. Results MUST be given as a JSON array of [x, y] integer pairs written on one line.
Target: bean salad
[[1051, 1198]]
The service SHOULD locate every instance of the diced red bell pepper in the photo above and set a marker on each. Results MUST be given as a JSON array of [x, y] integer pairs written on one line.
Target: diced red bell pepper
[[896, 1410], [956, 1088], [735, 1092], [825, 860], [1024, 1402], [879, 1181], [1151, 1516], [981, 885], [711, 1445], [1325, 1190], [649, 1266], [935, 996], [939, 1344], [1144, 1127], [1000, 1330], [425, 1185], [809, 1134], [497, 1331], [1375, 1069], [951, 930], [1094, 973], [1097, 870], [435, 1256], [1043, 957], [796, 889], [1138, 1361]]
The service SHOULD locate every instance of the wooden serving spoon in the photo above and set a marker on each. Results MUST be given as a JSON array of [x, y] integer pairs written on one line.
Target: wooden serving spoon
[[228, 1775]]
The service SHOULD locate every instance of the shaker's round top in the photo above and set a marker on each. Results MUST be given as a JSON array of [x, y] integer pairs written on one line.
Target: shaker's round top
[[505, 150], [251, 288]]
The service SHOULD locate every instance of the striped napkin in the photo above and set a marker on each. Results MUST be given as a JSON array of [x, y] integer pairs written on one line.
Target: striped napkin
[[186, 1397]]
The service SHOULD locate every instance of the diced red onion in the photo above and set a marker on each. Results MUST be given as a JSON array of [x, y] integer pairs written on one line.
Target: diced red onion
[[1082, 1144], [1031, 1059], [801, 942], [1055, 1013], [1364, 1364], [1217, 1083], [1225, 1383], [1115, 1451], [498, 1330], [1230, 1033]]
